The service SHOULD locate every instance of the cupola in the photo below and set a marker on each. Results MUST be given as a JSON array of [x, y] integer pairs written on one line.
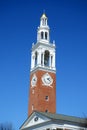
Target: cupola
[[43, 30]]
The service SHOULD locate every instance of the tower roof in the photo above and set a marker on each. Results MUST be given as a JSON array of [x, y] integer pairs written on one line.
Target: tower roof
[[43, 16], [54, 120]]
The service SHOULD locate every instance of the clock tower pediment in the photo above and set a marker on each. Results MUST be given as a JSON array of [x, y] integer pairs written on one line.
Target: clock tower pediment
[[35, 119]]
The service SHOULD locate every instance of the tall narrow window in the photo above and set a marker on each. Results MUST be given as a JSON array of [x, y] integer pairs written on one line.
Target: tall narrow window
[[46, 35], [46, 110], [46, 98], [51, 60], [46, 58], [35, 58], [41, 35], [45, 21], [42, 21], [41, 59]]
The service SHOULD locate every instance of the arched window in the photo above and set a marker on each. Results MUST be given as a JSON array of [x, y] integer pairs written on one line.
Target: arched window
[[42, 21], [45, 21], [46, 58], [46, 35], [41, 59], [35, 58], [51, 60], [42, 35]]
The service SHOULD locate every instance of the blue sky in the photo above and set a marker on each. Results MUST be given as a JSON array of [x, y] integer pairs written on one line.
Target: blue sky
[[19, 20]]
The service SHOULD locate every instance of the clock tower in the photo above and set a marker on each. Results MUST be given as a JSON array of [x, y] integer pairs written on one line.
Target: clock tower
[[42, 93]]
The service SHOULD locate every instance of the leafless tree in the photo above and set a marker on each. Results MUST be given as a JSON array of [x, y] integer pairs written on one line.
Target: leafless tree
[[6, 126]]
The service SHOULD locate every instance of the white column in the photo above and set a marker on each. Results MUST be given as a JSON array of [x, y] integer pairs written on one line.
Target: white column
[[32, 60], [43, 58], [50, 60], [45, 22], [53, 65], [37, 36], [39, 58], [48, 38]]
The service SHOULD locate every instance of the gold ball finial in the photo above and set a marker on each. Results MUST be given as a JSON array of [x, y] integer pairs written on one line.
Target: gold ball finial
[[43, 15]]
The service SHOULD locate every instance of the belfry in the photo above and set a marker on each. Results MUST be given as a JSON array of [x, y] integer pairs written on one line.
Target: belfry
[[43, 71]]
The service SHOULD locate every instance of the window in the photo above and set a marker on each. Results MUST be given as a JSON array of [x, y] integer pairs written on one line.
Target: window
[[46, 35], [42, 21], [41, 59], [35, 58], [46, 58], [42, 35], [45, 21], [46, 110], [46, 98], [51, 60], [36, 118]]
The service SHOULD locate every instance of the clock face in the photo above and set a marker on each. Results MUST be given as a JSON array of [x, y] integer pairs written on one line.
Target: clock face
[[47, 79], [36, 118], [34, 80]]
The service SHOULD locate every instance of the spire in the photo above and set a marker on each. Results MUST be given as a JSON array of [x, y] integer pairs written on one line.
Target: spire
[[44, 19], [43, 30], [43, 16]]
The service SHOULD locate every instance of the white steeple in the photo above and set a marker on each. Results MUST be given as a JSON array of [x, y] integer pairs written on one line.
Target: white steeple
[[43, 30], [43, 52]]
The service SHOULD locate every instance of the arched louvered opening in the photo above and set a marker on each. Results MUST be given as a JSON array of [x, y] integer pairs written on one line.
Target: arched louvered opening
[[41, 59], [46, 58], [42, 35], [46, 35], [35, 58]]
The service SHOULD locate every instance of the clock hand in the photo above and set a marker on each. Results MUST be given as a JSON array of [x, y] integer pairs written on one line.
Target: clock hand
[[48, 79], [34, 79]]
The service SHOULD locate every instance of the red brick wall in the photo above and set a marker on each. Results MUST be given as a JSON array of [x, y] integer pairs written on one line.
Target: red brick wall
[[37, 99]]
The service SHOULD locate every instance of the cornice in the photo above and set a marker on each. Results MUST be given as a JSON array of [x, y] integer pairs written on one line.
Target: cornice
[[43, 69], [49, 45]]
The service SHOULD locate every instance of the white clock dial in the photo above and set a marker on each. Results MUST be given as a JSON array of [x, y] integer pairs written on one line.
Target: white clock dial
[[34, 80], [36, 118], [47, 79]]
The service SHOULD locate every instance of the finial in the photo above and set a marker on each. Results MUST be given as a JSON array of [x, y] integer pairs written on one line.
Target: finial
[[44, 15], [44, 11]]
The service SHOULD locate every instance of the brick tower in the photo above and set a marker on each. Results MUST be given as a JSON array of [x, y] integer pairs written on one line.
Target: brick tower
[[42, 94]]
